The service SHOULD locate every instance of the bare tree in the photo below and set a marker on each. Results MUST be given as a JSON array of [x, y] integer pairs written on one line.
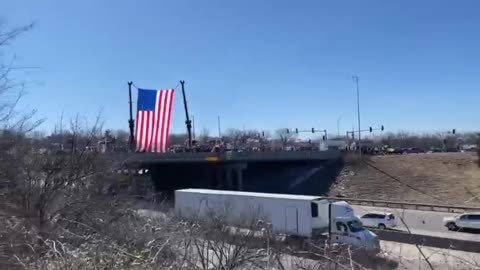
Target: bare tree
[[47, 184], [204, 135], [121, 135], [12, 90], [284, 136], [234, 136], [177, 139]]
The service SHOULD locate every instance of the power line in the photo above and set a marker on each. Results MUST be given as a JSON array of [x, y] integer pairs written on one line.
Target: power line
[[401, 182]]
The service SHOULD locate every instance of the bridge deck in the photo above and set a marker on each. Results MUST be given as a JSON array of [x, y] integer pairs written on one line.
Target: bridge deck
[[152, 158]]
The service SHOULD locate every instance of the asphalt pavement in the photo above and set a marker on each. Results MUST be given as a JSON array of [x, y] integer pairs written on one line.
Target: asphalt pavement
[[420, 222]]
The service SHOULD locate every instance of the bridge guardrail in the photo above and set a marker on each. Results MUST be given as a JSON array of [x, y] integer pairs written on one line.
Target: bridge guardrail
[[428, 240], [408, 205]]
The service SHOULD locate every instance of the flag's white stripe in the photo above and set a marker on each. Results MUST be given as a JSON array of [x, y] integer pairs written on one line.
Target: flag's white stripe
[[144, 131], [153, 141], [147, 130], [152, 123]]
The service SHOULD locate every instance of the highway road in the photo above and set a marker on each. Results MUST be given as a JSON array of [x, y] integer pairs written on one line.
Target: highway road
[[420, 222]]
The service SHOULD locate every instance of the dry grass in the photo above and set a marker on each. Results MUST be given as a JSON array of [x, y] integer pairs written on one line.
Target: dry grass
[[447, 178], [132, 242]]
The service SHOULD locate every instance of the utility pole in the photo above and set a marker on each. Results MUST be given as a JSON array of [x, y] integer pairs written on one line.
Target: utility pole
[[188, 123], [219, 130], [358, 115], [193, 126], [131, 122]]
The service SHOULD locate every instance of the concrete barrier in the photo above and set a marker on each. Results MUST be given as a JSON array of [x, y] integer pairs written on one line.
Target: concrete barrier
[[409, 205], [427, 240]]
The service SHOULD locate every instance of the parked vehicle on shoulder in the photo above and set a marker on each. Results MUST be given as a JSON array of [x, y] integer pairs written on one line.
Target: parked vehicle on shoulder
[[381, 220], [464, 221]]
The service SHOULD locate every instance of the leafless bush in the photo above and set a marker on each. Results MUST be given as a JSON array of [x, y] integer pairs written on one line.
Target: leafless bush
[[124, 240]]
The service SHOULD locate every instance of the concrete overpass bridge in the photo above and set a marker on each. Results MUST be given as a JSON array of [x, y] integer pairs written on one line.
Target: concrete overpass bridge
[[300, 172]]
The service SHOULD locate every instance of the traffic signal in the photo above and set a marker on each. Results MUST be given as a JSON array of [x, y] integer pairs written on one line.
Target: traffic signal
[[313, 130], [323, 138], [453, 131], [371, 129], [382, 128], [296, 130], [288, 130], [353, 135], [263, 133]]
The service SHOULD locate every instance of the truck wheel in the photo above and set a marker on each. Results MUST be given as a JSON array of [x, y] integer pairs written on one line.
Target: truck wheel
[[382, 226], [452, 227]]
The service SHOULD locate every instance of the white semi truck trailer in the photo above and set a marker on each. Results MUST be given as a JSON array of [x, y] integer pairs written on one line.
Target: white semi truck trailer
[[296, 215]]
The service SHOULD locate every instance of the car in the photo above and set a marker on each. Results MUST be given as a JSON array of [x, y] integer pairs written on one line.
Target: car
[[412, 150], [464, 221], [381, 220]]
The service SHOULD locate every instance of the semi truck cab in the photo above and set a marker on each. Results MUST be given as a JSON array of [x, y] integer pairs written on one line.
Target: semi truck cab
[[338, 220], [350, 231]]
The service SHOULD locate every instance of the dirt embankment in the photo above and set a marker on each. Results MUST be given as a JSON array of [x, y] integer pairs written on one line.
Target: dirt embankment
[[442, 178]]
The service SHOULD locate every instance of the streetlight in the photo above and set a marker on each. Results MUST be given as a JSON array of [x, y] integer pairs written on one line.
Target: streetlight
[[338, 126], [355, 77]]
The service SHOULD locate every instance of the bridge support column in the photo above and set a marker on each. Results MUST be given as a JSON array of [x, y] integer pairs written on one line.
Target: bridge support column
[[228, 172], [240, 178], [236, 168]]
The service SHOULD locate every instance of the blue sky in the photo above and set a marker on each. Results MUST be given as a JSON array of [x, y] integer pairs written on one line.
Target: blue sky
[[258, 64]]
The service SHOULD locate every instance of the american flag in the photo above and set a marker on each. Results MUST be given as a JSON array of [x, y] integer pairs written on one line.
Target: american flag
[[154, 112]]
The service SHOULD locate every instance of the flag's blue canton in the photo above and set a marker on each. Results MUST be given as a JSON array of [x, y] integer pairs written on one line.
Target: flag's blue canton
[[146, 99]]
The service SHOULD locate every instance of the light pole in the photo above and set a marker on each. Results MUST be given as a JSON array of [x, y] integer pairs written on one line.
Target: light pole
[[219, 130], [193, 126], [338, 126], [358, 115]]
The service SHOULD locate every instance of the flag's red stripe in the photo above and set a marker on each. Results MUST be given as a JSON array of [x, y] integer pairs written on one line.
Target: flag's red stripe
[[153, 127], [144, 130], [160, 120], [149, 130], [157, 117], [146, 115], [137, 131], [169, 116], [164, 108], [140, 128], [162, 137]]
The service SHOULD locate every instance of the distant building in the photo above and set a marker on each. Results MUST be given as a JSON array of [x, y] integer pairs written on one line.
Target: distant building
[[332, 145], [468, 147]]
